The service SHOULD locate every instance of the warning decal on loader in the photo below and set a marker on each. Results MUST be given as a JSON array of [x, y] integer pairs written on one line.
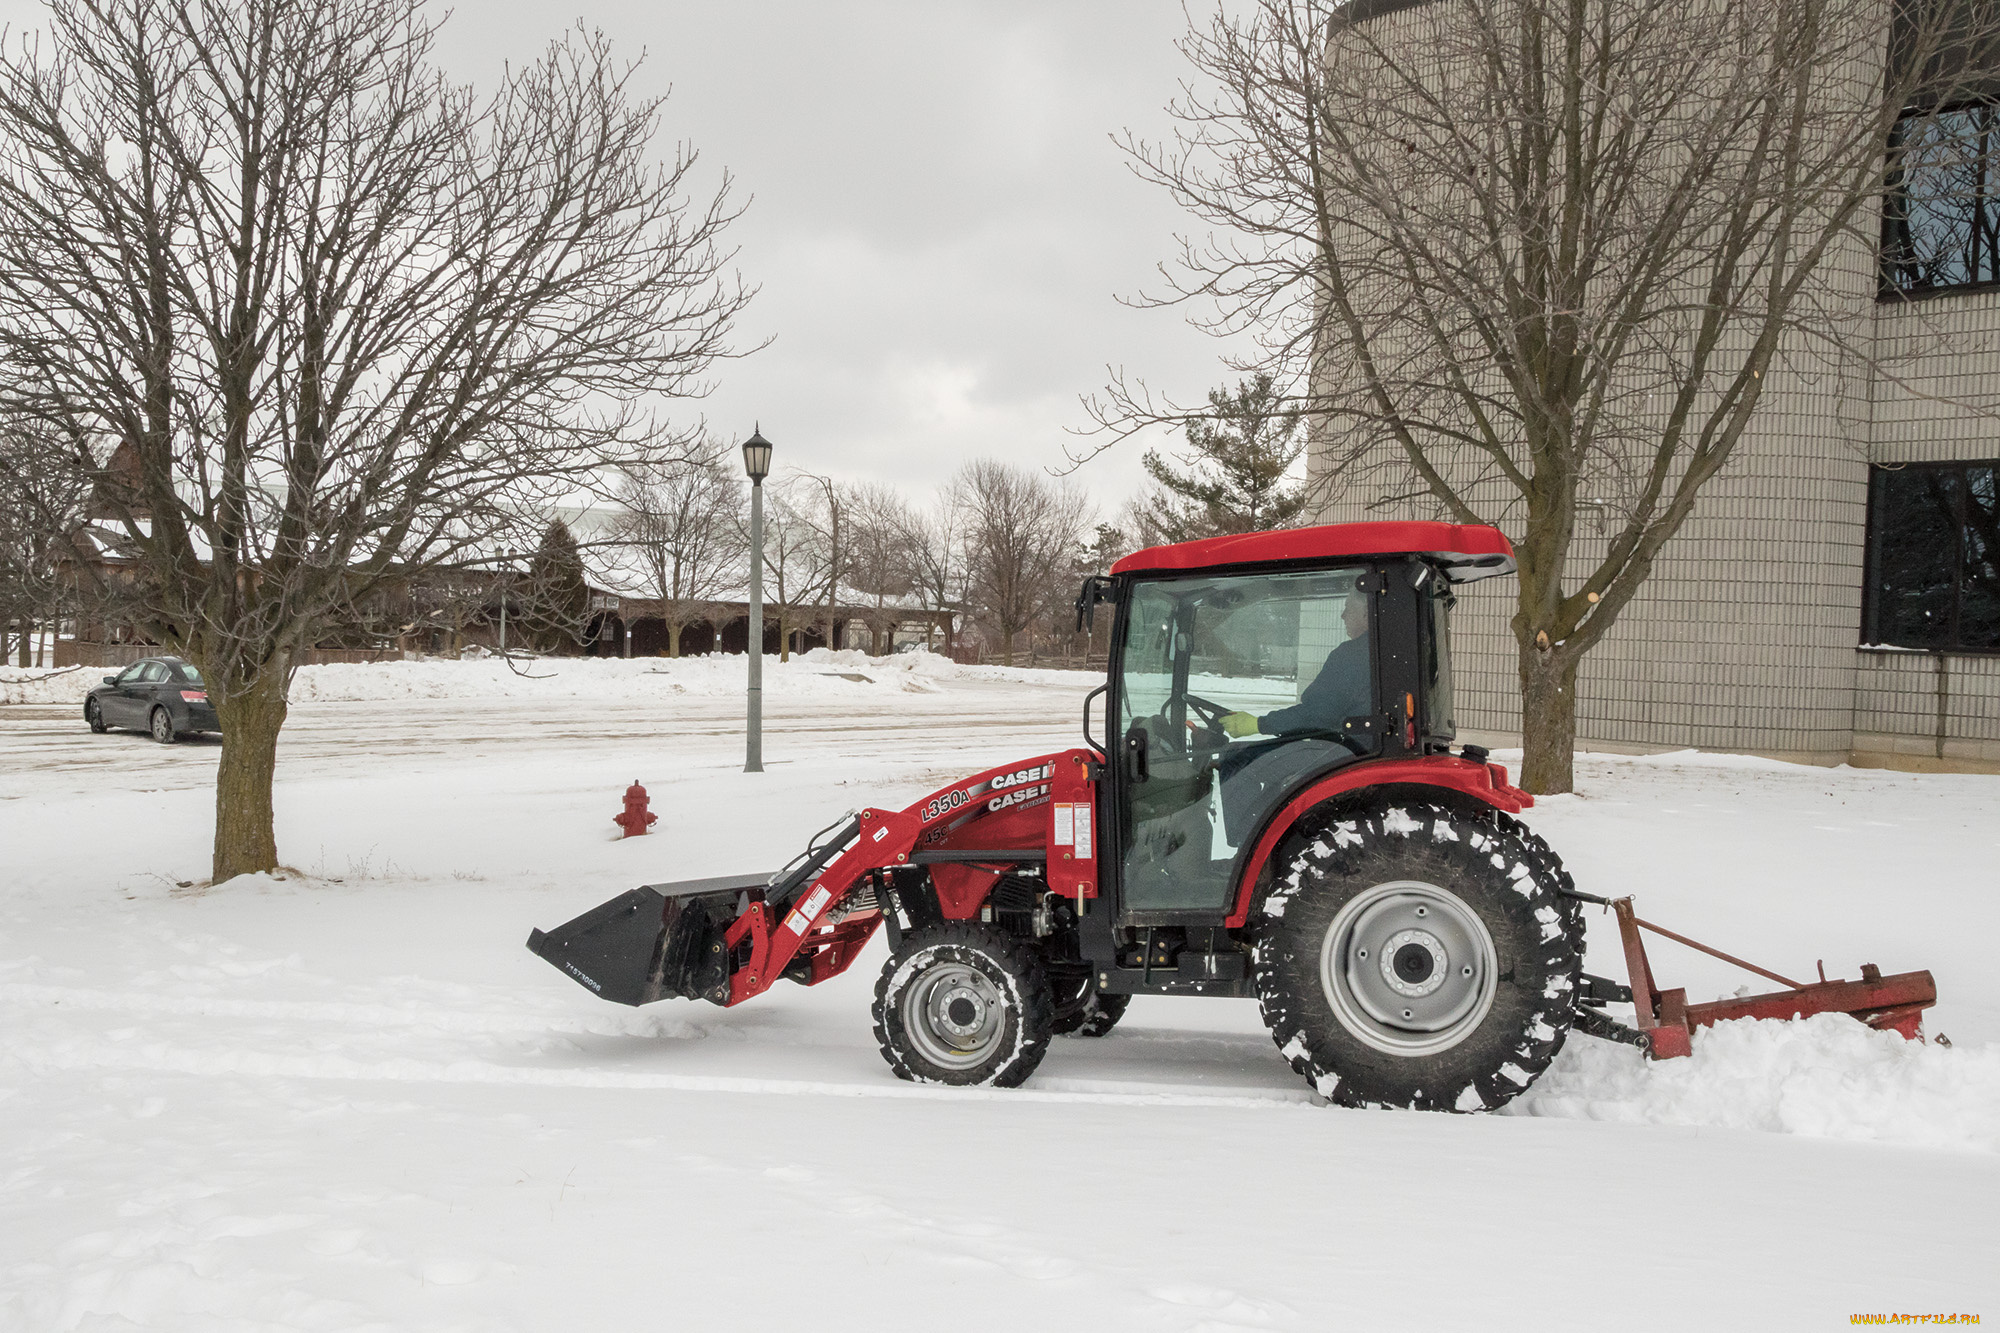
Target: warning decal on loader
[[800, 919], [1072, 827]]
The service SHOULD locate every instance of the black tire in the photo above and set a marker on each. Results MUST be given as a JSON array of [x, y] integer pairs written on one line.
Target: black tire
[[1468, 993], [963, 1004], [1092, 1015], [94, 715], [161, 724], [1550, 867]]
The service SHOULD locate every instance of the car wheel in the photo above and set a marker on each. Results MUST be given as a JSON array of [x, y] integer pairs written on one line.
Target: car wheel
[[94, 716], [163, 726]]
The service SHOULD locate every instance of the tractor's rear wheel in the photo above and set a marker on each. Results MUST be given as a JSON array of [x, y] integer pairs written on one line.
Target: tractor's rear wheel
[[963, 1004], [1551, 869], [1418, 958]]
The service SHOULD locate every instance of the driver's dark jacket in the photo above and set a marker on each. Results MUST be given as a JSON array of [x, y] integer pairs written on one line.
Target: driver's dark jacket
[[1342, 689]]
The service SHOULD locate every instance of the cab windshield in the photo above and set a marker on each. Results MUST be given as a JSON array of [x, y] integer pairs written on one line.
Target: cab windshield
[[1231, 689], [1287, 652]]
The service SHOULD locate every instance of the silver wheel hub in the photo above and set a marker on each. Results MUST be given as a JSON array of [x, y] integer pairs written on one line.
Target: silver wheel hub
[[1409, 968], [954, 1015]]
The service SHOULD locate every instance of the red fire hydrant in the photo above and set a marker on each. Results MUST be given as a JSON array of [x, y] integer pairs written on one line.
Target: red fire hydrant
[[636, 819]]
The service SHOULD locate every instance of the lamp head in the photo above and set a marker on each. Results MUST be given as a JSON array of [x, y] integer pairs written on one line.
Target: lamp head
[[757, 456]]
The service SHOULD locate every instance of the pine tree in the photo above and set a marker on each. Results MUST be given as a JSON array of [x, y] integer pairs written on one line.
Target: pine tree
[[1233, 479], [557, 595]]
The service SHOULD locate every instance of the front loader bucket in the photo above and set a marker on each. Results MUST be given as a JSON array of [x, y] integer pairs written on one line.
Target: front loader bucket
[[657, 942]]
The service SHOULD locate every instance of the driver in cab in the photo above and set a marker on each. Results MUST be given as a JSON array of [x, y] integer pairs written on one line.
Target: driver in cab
[[1341, 690]]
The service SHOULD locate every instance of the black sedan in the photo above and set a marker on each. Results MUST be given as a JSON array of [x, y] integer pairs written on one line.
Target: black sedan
[[162, 695]]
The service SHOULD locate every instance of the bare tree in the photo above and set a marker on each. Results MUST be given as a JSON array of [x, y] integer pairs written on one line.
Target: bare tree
[[878, 559], [682, 530], [796, 558], [934, 547], [1511, 253], [353, 320], [824, 505], [42, 506], [1022, 530]]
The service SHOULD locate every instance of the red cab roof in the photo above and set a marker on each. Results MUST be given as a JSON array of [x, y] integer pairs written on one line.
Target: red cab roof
[[1463, 551]]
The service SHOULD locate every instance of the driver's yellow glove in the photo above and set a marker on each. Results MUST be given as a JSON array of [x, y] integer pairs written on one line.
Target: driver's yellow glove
[[1239, 724]]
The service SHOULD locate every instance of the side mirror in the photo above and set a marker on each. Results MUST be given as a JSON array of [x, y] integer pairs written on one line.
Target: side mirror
[[1094, 590], [111, 680]]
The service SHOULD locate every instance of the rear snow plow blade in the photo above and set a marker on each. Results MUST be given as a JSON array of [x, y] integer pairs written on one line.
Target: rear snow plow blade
[[1666, 1021], [657, 942]]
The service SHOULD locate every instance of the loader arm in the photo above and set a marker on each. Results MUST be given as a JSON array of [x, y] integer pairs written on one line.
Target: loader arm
[[728, 939], [773, 939]]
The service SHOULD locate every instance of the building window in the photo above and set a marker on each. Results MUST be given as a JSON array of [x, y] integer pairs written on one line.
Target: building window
[[1934, 556], [1941, 216]]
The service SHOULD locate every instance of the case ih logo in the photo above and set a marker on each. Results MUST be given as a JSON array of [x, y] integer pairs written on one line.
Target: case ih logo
[[1015, 779], [1019, 796], [946, 802]]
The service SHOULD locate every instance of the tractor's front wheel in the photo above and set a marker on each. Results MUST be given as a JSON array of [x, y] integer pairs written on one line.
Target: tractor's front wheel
[[1417, 958], [963, 1004]]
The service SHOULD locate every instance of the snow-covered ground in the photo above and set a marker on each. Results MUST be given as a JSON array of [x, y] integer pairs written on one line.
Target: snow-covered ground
[[350, 1098]]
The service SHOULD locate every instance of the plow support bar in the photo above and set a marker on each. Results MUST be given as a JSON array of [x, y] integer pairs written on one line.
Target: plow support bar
[[1667, 1021]]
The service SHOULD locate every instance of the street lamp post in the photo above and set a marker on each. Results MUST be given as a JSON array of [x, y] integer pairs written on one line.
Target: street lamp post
[[756, 463], [506, 570]]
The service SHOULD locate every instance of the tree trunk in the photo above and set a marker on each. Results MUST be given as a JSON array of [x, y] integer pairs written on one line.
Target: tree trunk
[[673, 641], [24, 650], [1548, 720], [245, 839], [1007, 646]]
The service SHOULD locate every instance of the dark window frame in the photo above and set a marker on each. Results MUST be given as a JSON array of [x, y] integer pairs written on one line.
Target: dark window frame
[[1887, 287], [1871, 589]]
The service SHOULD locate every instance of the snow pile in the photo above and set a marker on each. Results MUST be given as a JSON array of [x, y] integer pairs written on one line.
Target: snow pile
[[815, 675], [819, 674], [1825, 1077], [46, 685]]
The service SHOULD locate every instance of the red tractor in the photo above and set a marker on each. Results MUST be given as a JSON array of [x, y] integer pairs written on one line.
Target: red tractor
[[1276, 812]]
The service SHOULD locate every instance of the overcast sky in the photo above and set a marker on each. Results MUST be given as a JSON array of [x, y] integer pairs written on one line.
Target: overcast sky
[[938, 220]]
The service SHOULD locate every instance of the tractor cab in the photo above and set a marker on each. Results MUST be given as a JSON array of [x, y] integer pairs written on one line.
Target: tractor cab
[[1244, 668]]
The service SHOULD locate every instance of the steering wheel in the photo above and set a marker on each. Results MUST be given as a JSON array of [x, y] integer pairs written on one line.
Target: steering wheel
[[1211, 712]]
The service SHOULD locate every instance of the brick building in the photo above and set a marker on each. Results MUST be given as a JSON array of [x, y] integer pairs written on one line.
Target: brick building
[[1835, 596]]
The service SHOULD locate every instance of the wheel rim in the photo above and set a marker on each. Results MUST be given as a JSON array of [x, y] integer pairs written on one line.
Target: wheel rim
[[1409, 968], [955, 1016], [91, 713], [163, 729]]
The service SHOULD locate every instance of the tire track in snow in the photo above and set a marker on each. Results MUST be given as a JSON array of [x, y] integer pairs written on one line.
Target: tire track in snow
[[163, 1058], [949, 1239]]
